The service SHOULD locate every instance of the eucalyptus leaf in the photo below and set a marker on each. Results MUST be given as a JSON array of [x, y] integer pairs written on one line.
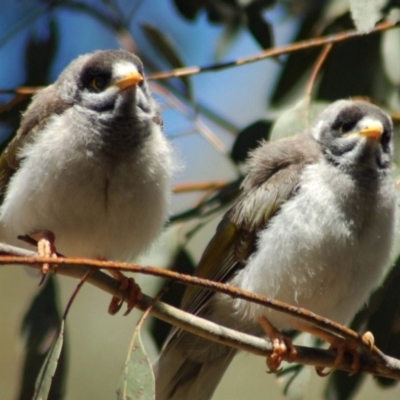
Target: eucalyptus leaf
[[137, 378], [166, 48], [366, 13], [295, 119], [49, 368], [39, 330], [390, 49], [249, 138]]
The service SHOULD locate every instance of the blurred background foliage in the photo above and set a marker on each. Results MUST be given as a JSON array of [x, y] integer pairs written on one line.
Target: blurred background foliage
[[213, 119]]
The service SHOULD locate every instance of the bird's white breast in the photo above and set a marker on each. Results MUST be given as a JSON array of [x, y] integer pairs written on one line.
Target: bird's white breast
[[95, 207], [325, 250]]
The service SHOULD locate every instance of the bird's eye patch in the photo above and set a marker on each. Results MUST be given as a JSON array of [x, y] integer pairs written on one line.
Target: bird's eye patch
[[99, 83], [385, 138], [346, 121]]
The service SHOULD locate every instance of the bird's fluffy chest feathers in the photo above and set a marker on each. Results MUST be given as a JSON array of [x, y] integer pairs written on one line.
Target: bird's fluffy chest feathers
[[322, 251], [92, 203]]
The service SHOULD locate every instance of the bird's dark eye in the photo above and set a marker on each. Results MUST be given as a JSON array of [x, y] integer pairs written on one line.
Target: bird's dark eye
[[343, 125], [385, 138], [99, 83], [347, 120]]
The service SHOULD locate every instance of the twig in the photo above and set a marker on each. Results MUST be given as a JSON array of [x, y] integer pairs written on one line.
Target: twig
[[76, 291], [274, 52], [318, 64], [298, 312], [198, 124], [387, 366], [198, 186]]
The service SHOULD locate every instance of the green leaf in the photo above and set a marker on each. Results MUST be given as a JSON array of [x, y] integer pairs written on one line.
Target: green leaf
[[137, 378], [229, 34], [260, 29], [345, 74], [298, 63], [165, 48], [390, 50], [296, 119], [366, 13], [249, 138], [49, 368], [189, 9], [225, 196], [39, 54], [39, 330]]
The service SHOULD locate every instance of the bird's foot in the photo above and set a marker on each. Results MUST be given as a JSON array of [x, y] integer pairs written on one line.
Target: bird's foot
[[341, 346], [44, 241], [129, 286], [281, 346]]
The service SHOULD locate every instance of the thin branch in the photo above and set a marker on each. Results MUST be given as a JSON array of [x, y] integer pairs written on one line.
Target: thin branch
[[314, 73], [274, 52], [198, 186], [386, 366], [193, 116], [76, 291], [298, 312]]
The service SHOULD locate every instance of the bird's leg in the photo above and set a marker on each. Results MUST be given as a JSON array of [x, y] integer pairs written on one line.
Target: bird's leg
[[281, 345], [44, 241], [341, 345], [130, 286]]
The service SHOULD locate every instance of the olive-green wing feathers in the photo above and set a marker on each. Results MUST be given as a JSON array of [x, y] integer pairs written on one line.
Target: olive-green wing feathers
[[268, 185], [236, 236]]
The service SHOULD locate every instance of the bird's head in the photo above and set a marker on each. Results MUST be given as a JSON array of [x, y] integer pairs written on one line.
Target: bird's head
[[355, 134]]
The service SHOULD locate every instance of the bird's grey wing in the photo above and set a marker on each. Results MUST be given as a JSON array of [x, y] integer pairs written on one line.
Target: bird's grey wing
[[45, 104], [236, 236]]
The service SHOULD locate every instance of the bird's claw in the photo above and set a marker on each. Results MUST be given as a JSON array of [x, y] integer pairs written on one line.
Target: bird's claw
[[281, 346], [128, 285], [342, 346], [44, 240]]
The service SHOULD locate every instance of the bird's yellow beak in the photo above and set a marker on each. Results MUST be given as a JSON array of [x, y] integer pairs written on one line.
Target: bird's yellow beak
[[373, 132], [128, 81]]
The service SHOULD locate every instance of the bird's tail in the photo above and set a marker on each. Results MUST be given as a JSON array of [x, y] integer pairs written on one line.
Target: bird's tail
[[180, 378]]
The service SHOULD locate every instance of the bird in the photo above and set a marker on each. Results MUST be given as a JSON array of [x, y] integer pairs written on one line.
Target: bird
[[89, 162], [313, 226]]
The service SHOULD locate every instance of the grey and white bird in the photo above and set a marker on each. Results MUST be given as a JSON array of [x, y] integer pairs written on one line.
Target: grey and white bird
[[89, 162], [314, 227]]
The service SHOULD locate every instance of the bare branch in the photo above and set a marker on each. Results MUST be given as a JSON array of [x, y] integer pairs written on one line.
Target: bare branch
[[384, 366], [274, 52], [298, 312]]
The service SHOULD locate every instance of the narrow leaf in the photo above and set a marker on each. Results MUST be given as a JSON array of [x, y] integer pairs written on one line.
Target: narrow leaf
[[189, 9], [39, 330], [137, 378], [366, 13], [48, 371], [165, 47], [249, 138], [260, 29], [390, 49], [296, 119]]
